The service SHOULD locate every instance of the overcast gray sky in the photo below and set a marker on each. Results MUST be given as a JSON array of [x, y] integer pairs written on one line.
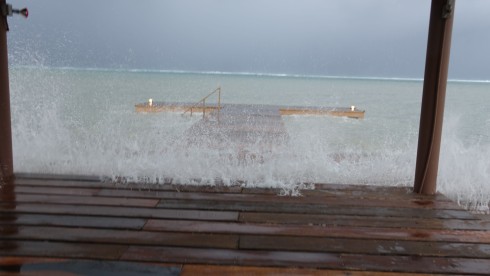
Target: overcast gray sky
[[371, 38]]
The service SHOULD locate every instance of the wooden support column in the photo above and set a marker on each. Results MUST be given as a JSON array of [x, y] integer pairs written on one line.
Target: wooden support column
[[6, 160], [434, 93]]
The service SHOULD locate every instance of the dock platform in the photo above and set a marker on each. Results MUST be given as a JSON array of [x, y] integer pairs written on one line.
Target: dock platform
[[350, 112], [63, 224]]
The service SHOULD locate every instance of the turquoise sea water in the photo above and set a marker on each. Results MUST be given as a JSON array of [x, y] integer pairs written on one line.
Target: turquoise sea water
[[78, 121]]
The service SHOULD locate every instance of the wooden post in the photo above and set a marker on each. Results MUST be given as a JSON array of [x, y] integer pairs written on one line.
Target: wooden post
[[434, 93], [6, 160]]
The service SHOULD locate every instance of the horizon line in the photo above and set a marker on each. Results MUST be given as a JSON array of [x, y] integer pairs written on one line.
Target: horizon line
[[226, 73]]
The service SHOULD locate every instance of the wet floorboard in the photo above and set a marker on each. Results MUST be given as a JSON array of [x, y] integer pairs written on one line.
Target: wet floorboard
[[72, 224]]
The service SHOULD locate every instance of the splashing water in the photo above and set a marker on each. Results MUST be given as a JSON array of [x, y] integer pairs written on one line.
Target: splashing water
[[72, 121]]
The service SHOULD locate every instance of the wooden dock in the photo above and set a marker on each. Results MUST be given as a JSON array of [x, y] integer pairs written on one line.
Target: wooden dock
[[72, 224], [248, 132], [284, 110]]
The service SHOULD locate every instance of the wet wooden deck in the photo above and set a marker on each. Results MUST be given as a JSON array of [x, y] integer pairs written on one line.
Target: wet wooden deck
[[74, 224]]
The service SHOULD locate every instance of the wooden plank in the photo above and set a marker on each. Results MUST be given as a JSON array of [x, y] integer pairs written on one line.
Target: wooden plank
[[309, 260], [129, 212], [84, 200], [152, 194], [62, 183], [279, 207], [122, 237], [262, 191], [383, 222], [20, 175], [400, 193], [365, 191], [367, 246], [321, 110], [18, 261], [57, 190], [72, 221], [204, 188], [61, 249], [191, 270], [230, 257], [365, 188], [90, 267], [332, 201], [174, 107], [128, 186], [418, 264], [371, 191], [468, 236]]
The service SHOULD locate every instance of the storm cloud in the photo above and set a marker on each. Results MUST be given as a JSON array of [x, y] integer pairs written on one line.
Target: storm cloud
[[377, 38]]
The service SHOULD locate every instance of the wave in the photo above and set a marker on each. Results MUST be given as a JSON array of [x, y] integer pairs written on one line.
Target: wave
[[468, 81], [62, 124], [253, 74], [224, 73]]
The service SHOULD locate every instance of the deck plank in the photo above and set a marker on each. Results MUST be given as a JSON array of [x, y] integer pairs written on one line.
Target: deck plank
[[230, 257], [51, 249], [121, 211], [115, 236], [383, 222], [307, 208], [28, 182], [366, 246], [83, 200], [19, 181], [344, 201], [92, 267], [63, 177], [363, 191], [58, 190], [469, 236], [72, 221], [190, 270], [418, 264]]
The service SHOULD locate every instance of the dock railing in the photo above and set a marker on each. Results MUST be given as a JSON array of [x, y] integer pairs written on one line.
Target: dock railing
[[202, 104]]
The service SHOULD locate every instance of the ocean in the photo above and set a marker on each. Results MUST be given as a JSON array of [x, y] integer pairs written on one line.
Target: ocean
[[83, 121]]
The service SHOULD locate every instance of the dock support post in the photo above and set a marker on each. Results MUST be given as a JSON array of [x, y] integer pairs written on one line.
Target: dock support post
[[6, 160], [434, 94]]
